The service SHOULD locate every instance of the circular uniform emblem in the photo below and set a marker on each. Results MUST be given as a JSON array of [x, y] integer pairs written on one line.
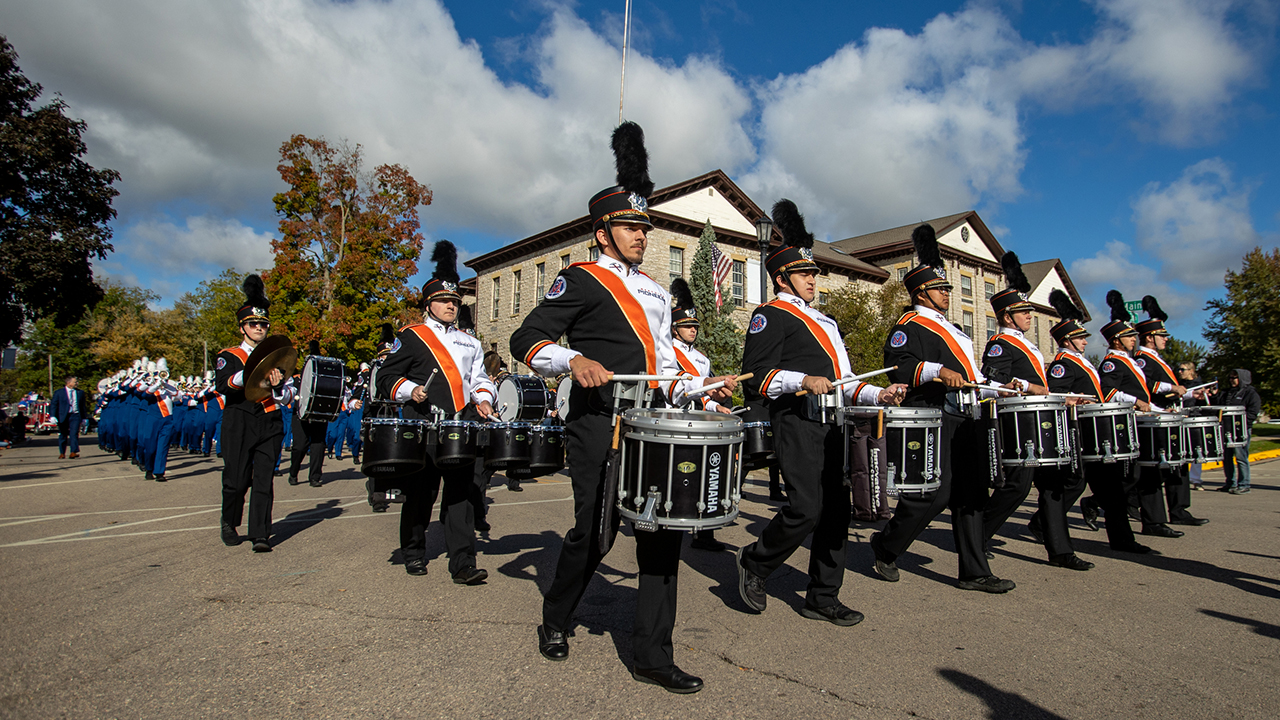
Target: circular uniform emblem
[[1058, 371], [995, 350], [898, 339], [1142, 363], [557, 288], [1107, 366], [757, 324], [222, 362]]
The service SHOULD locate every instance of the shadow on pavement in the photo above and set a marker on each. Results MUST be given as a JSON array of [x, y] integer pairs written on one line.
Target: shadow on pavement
[[1000, 704], [300, 520], [1247, 582], [1262, 628]]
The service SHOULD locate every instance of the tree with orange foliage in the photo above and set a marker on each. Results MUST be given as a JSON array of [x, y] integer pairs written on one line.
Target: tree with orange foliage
[[349, 244]]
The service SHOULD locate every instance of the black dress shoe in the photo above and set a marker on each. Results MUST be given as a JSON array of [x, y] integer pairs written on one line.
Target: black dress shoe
[[777, 495], [1134, 547], [470, 576], [989, 583], [150, 475], [207, 454], [416, 567], [514, 486], [1226, 488], [380, 507], [552, 644], [1070, 561], [990, 555], [1189, 520], [260, 545], [883, 566], [161, 478], [315, 483], [483, 526], [1090, 514], [751, 586], [837, 614], [230, 537], [1162, 530], [293, 480], [672, 678]]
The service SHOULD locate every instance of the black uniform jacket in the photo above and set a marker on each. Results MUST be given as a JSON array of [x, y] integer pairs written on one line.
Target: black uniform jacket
[[416, 353], [780, 337], [1007, 357], [1157, 371], [1071, 373], [1121, 373], [915, 340], [231, 361]]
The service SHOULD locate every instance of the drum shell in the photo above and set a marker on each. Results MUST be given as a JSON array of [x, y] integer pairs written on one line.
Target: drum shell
[[1033, 432], [1161, 441], [509, 445], [913, 440], [1203, 438], [757, 440], [1234, 431], [523, 398], [321, 390], [1108, 432], [393, 447], [546, 453], [455, 443], [690, 459]]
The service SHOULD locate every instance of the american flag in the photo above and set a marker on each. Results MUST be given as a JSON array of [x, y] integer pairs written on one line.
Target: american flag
[[721, 264]]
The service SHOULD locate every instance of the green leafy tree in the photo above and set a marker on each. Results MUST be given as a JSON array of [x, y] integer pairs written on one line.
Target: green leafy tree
[[1180, 351], [349, 244], [1242, 326], [718, 337], [209, 314], [866, 316], [54, 208]]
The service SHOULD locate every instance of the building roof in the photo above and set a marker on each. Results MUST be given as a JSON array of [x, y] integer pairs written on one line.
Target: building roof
[[895, 241], [827, 258], [1038, 271]]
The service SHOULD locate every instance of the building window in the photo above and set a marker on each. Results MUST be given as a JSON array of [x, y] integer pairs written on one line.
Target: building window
[[515, 292], [541, 269], [677, 263], [739, 282], [595, 253], [967, 322], [966, 286], [902, 273], [991, 323], [1036, 321], [497, 297], [564, 261], [822, 298], [991, 290]]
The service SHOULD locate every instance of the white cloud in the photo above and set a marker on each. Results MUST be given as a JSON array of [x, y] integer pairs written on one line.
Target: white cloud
[[1113, 267], [203, 242]]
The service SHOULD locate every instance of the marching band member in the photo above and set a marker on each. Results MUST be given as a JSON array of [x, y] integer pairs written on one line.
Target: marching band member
[[925, 345], [792, 347], [387, 340], [1164, 384], [308, 439], [251, 429], [437, 345], [616, 319]]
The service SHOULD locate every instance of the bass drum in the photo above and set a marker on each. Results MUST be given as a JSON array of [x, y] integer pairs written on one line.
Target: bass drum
[[522, 398], [321, 390]]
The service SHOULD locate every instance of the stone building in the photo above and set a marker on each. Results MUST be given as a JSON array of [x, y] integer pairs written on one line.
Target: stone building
[[513, 279]]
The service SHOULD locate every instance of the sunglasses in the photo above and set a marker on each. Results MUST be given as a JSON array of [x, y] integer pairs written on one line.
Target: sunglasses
[[255, 324]]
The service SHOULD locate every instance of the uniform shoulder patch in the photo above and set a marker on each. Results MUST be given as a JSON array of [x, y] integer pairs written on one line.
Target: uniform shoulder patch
[[996, 350], [1142, 363], [898, 339], [757, 323], [222, 362], [394, 346], [1057, 371], [557, 288], [1107, 366]]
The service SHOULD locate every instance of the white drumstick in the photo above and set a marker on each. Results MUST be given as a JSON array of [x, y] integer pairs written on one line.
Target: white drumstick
[[1070, 395], [739, 411], [648, 378], [717, 385], [855, 378], [1201, 387]]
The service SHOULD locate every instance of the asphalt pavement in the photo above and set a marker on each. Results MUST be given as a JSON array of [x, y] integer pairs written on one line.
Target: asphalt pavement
[[118, 600]]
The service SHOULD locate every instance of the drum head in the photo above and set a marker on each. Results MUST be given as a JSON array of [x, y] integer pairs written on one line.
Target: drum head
[[307, 383], [517, 394], [562, 397]]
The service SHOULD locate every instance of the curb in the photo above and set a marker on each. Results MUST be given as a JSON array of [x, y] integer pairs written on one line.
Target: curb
[[1253, 457]]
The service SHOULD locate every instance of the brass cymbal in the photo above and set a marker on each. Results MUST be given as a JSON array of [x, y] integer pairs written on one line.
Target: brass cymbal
[[275, 352]]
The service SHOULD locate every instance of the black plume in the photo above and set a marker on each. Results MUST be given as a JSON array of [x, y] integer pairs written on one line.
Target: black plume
[[464, 318], [388, 333], [681, 294], [1066, 309], [1115, 301], [313, 347], [1013, 275], [789, 221], [255, 293], [631, 159], [925, 240], [1152, 309], [445, 256]]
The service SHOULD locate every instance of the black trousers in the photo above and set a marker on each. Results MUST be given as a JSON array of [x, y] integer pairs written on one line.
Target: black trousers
[[1112, 484], [1177, 492], [963, 489], [481, 478], [1005, 500], [456, 515], [250, 449], [307, 437], [1059, 489], [1147, 489], [657, 553], [811, 456]]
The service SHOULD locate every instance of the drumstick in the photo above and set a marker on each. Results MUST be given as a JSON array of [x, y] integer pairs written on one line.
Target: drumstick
[[739, 411], [1201, 387], [855, 378], [717, 385], [648, 378]]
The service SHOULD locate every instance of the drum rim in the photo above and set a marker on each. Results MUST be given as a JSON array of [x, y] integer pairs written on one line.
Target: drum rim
[[1160, 419], [649, 418], [1104, 409], [913, 413], [395, 421], [1027, 402]]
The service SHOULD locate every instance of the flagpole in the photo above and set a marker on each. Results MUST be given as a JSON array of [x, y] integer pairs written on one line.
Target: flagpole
[[626, 34]]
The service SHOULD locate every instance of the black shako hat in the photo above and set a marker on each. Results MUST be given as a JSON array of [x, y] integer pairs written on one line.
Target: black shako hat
[[796, 251], [1119, 326], [628, 201], [387, 340], [256, 305], [1069, 326], [931, 272], [443, 284], [1014, 297], [685, 313], [1154, 324]]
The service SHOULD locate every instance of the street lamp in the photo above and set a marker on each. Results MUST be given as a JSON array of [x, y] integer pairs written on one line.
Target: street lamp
[[764, 233]]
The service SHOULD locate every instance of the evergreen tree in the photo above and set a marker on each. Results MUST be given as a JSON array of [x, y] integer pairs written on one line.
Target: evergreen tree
[[865, 317], [719, 337], [1243, 325]]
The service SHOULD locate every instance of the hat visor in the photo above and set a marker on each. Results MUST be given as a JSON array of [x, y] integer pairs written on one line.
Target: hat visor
[[624, 217]]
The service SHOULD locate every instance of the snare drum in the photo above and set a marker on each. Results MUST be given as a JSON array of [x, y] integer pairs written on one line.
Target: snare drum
[[1234, 432], [679, 469], [1160, 440], [1033, 432], [1108, 432], [563, 388], [321, 390], [509, 445], [522, 398], [546, 453], [455, 443], [393, 446], [1203, 437], [913, 438], [757, 440]]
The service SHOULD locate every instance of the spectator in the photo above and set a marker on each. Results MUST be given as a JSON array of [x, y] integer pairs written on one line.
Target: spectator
[[1188, 377], [1235, 462]]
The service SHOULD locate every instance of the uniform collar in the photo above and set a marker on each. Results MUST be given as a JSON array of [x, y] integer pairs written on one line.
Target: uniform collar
[[932, 314], [245, 346], [1015, 332], [1069, 351], [436, 325], [617, 266], [793, 299], [686, 347], [1148, 351]]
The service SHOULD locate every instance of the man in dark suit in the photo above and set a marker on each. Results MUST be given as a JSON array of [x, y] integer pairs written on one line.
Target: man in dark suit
[[68, 407]]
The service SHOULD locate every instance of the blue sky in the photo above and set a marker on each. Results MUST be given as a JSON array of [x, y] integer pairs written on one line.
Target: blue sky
[[1134, 139]]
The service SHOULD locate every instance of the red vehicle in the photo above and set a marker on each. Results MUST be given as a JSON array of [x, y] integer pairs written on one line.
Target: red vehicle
[[38, 420]]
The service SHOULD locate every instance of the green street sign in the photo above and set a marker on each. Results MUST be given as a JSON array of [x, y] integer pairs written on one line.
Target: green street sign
[[1133, 306]]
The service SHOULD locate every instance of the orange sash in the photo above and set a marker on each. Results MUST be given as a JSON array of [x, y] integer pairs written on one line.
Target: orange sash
[[819, 334], [932, 325], [445, 361], [632, 310], [1031, 355], [1133, 368], [1092, 373]]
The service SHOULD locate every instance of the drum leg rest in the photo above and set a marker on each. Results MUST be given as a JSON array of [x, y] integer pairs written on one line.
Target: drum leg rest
[[647, 522]]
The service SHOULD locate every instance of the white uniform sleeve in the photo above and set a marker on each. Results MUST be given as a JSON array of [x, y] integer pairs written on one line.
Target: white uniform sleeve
[[552, 360]]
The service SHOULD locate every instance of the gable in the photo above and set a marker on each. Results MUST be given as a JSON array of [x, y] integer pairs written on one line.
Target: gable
[[1053, 280], [707, 204], [965, 238]]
